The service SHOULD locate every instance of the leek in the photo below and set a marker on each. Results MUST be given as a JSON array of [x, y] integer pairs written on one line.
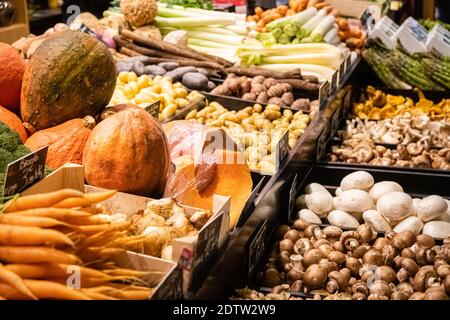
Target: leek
[[323, 27], [193, 22], [309, 26], [290, 49], [329, 36], [174, 13], [225, 39], [206, 43], [298, 19], [324, 59], [239, 29], [215, 30]]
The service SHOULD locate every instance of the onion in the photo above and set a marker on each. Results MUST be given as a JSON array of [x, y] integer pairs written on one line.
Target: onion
[[109, 41]]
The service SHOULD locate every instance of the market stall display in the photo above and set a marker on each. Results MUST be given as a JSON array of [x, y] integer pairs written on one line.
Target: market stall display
[[167, 143]]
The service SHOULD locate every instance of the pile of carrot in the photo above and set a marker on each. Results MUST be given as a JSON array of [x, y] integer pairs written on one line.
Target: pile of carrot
[[54, 246], [263, 17], [351, 35]]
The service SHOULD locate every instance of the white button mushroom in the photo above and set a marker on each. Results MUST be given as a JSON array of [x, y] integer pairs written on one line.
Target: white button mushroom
[[412, 223], [320, 202], [416, 202], [314, 187], [383, 187], [300, 202], [338, 192], [354, 201], [374, 219], [395, 205], [309, 216], [341, 218], [357, 180], [431, 208], [437, 229]]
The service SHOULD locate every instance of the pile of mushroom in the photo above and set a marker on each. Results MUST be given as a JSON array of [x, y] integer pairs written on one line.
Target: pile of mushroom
[[357, 265], [383, 205], [400, 130], [413, 155]]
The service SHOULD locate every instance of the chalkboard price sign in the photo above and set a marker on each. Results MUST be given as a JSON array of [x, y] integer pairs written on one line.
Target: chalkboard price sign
[[153, 109], [24, 172]]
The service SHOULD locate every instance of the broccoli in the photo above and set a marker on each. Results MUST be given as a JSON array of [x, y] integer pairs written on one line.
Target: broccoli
[[11, 149]]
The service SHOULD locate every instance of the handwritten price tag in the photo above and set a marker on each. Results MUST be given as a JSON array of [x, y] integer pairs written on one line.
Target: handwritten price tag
[[24, 172], [153, 109]]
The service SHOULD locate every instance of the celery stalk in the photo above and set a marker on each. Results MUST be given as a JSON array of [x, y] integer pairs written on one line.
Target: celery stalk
[[192, 22]]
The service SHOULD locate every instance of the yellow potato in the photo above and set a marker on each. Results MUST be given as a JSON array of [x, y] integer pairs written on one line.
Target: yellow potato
[[168, 111], [144, 81], [180, 93], [132, 76], [181, 102], [123, 77], [143, 98]]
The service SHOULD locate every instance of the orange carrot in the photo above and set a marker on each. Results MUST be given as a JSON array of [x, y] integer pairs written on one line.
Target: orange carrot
[[282, 9], [31, 236], [93, 229], [27, 254], [56, 270], [334, 12], [10, 293], [321, 5], [354, 42], [69, 203], [1, 298], [15, 281], [312, 3], [342, 23], [40, 200], [30, 221], [51, 290], [97, 295], [356, 33], [344, 35], [55, 213], [259, 11]]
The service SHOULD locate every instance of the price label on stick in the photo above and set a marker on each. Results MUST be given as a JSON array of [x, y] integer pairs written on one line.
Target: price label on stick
[[257, 248], [323, 94], [348, 63], [85, 29], [293, 196], [153, 109], [368, 21], [334, 82], [24, 172]]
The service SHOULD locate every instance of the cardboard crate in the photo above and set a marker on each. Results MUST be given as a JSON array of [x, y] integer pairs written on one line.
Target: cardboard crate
[[19, 28], [355, 8], [192, 254]]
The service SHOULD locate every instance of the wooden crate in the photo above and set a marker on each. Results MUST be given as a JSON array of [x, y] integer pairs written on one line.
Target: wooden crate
[[20, 27]]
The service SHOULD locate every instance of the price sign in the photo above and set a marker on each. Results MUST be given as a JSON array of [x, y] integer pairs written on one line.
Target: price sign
[[153, 109], [323, 94], [335, 119], [257, 248], [250, 204], [282, 148], [348, 63], [171, 287], [368, 21], [321, 142], [334, 82], [85, 29], [293, 196], [24, 172]]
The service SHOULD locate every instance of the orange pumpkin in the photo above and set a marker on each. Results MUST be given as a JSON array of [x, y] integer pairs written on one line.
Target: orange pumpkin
[[127, 152], [12, 68], [14, 122], [65, 142]]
